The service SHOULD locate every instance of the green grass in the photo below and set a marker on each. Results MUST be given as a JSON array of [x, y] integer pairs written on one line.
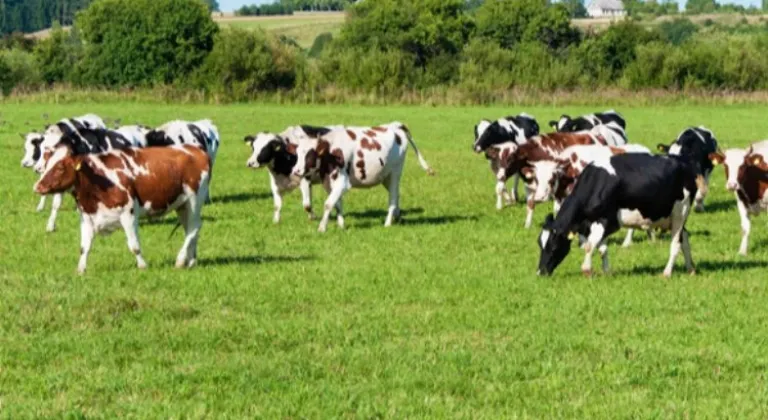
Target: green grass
[[441, 316], [302, 27]]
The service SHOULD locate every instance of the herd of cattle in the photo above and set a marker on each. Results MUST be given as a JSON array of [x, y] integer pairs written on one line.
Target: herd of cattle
[[599, 182]]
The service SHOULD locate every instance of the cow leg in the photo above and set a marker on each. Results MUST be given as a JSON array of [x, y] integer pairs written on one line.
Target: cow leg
[[277, 196], [130, 224], [702, 183], [514, 188], [54, 212], [651, 234], [689, 266], [306, 197], [338, 207], [746, 226], [86, 238], [530, 206], [679, 215], [594, 240], [556, 204], [337, 187], [393, 186], [500, 187], [41, 204], [603, 250], [628, 239]]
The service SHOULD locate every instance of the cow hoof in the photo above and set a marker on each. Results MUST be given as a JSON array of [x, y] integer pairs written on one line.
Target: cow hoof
[[699, 209], [191, 263], [50, 228], [40, 208], [666, 275], [321, 229], [180, 264], [743, 253], [586, 272], [81, 271], [692, 272]]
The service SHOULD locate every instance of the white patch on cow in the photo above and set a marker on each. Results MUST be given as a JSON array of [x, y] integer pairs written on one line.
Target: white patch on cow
[[512, 127], [106, 220], [734, 158], [635, 148], [257, 145], [544, 238], [675, 150], [135, 134], [545, 173], [29, 149], [111, 174], [481, 127]]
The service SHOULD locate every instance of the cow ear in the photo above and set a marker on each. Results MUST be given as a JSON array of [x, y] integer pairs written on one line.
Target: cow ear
[[757, 160], [553, 124], [662, 147], [528, 173], [249, 139], [716, 158]]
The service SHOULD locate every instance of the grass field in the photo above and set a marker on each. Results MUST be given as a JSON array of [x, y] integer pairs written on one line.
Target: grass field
[[303, 27], [441, 316]]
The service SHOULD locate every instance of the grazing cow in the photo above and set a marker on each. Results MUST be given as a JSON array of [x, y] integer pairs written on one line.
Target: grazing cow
[[32, 153], [358, 157], [203, 134], [589, 121], [279, 156], [611, 194], [695, 144], [113, 189], [746, 173], [544, 147], [510, 130], [555, 179]]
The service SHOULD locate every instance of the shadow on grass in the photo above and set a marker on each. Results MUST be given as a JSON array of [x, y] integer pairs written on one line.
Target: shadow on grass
[[701, 267], [172, 220], [381, 214], [417, 221], [239, 197], [254, 259], [719, 206]]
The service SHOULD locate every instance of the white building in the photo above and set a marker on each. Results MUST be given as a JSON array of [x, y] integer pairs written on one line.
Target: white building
[[606, 8]]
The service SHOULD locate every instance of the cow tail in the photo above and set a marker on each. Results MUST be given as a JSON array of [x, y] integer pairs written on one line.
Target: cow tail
[[422, 161]]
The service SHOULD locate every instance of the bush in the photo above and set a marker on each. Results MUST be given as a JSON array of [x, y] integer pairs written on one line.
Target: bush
[[244, 63], [144, 42], [370, 70], [59, 56], [321, 41], [678, 30], [509, 22], [22, 68]]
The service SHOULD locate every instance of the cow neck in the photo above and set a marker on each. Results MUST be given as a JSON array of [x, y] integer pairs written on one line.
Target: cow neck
[[567, 215], [283, 163], [753, 186]]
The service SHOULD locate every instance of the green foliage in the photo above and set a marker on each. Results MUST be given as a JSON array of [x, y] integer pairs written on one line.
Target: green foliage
[[614, 49], [270, 9], [320, 43], [700, 6], [213, 5], [34, 15], [509, 22], [59, 56], [140, 42], [244, 63], [677, 31], [382, 71], [575, 8]]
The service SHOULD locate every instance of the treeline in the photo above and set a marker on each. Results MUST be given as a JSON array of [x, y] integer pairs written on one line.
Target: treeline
[[287, 7], [34, 15], [386, 49]]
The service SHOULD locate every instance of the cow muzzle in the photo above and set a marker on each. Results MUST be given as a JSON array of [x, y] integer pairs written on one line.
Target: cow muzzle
[[252, 164], [478, 149], [27, 164]]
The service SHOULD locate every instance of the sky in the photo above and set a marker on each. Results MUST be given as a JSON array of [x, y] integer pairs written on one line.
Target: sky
[[230, 5]]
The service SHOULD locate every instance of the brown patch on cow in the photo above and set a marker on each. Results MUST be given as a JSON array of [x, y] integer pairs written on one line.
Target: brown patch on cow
[[361, 166], [601, 140], [380, 129], [583, 163], [557, 142], [335, 175], [352, 135], [398, 140], [369, 133], [617, 151], [574, 157], [381, 161], [291, 148], [360, 154], [701, 184], [492, 153], [369, 144], [82, 251]]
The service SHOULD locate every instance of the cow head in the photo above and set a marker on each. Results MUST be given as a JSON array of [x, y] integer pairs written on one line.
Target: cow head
[[510, 129], [266, 147], [32, 153], [561, 124], [555, 244], [61, 172], [545, 176], [737, 163]]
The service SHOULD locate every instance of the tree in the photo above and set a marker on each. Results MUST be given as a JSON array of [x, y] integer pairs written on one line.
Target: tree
[[575, 8], [213, 5], [700, 6], [510, 22], [144, 42]]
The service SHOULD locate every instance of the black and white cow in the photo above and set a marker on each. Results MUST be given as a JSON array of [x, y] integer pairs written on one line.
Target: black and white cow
[[589, 121], [631, 190], [695, 144], [35, 143], [508, 130], [136, 134], [278, 155]]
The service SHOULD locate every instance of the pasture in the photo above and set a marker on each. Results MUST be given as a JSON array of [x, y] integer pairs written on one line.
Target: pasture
[[439, 316], [303, 27]]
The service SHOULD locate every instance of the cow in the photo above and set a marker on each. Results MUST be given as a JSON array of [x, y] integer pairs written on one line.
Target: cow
[[610, 194], [115, 188], [695, 144], [746, 173], [543, 147], [358, 157], [512, 129], [203, 134], [589, 121], [555, 179], [278, 155], [36, 144]]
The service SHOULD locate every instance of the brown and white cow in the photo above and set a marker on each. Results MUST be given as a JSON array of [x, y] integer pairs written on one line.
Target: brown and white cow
[[113, 189], [544, 147], [746, 173], [358, 157]]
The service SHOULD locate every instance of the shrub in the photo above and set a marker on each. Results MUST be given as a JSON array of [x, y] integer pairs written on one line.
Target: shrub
[[373, 70], [22, 68], [59, 56], [321, 41], [509, 22], [678, 30], [144, 42]]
